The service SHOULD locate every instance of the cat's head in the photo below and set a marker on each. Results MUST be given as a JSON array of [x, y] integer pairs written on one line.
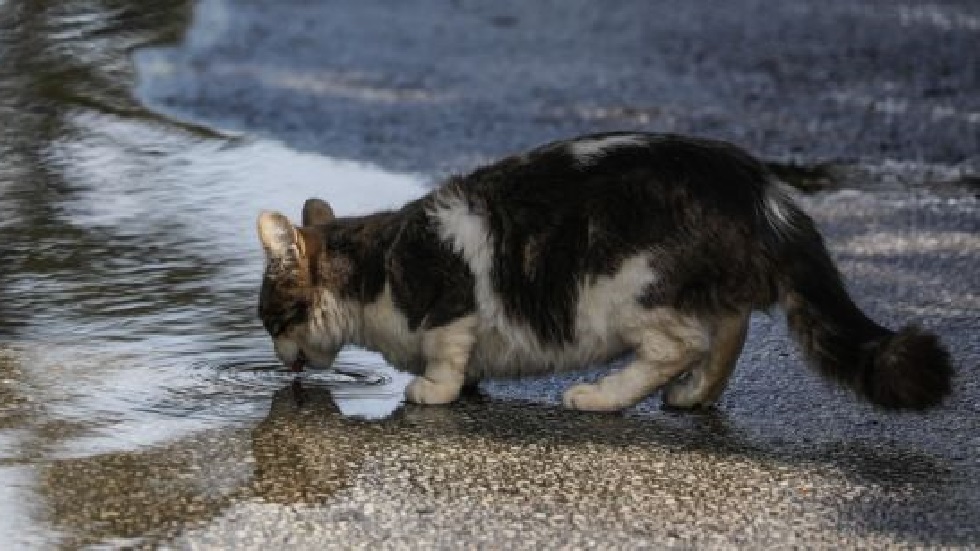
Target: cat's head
[[302, 314]]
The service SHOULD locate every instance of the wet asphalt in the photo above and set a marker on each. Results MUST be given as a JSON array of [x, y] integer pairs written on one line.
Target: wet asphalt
[[440, 85], [876, 104]]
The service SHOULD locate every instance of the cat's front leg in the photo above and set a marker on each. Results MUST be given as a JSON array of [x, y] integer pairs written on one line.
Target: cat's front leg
[[446, 350]]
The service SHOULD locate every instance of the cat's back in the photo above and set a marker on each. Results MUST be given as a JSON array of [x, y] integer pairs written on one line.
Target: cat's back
[[625, 189], [598, 168]]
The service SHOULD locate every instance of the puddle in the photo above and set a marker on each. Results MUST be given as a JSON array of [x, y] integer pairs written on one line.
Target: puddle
[[141, 285], [360, 383], [153, 331]]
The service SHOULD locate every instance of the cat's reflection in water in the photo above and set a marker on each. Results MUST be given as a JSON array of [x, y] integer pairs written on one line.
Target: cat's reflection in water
[[305, 449]]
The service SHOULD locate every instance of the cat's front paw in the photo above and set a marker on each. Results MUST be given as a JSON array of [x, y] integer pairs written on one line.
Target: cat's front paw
[[591, 397], [425, 391]]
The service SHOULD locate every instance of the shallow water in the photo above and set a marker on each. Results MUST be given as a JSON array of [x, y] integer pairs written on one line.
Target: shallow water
[[130, 263]]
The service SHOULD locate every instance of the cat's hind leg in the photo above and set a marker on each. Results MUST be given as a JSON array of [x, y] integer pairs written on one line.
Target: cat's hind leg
[[666, 345], [706, 381], [446, 351]]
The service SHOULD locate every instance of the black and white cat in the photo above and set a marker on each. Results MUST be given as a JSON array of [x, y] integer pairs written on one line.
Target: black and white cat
[[574, 254]]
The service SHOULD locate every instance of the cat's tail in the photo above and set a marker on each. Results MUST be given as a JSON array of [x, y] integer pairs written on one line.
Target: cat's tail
[[907, 369]]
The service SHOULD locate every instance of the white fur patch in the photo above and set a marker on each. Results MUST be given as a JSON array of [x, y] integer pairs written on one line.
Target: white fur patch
[[586, 150], [385, 328], [447, 355], [606, 306], [332, 321]]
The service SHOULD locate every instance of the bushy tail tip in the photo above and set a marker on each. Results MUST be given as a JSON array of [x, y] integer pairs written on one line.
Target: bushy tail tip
[[909, 369]]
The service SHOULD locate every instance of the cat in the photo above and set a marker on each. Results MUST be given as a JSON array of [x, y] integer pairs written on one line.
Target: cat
[[574, 254]]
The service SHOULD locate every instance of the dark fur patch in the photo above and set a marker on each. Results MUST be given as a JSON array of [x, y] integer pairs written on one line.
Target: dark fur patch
[[430, 284], [359, 246]]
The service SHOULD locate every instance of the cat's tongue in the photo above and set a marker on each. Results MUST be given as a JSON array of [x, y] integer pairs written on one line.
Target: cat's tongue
[[298, 364]]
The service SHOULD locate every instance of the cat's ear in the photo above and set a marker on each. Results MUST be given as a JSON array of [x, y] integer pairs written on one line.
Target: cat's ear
[[316, 212], [277, 235]]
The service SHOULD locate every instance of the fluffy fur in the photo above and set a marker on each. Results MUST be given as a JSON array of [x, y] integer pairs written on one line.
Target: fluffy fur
[[576, 253]]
